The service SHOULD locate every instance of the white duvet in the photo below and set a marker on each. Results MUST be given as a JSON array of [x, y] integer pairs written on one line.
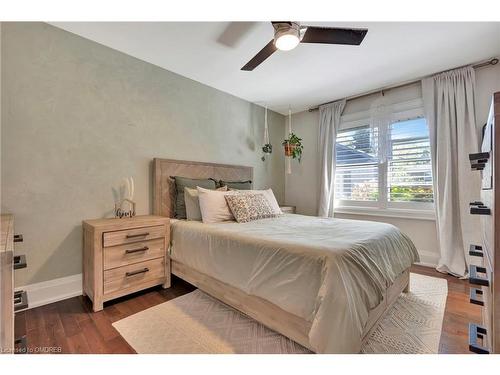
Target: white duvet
[[331, 272]]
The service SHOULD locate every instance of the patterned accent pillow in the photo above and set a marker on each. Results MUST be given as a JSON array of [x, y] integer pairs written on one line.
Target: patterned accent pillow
[[248, 207]]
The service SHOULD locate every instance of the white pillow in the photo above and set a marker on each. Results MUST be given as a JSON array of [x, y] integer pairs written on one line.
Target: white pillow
[[193, 211], [269, 196], [213, 205], [272, 201]]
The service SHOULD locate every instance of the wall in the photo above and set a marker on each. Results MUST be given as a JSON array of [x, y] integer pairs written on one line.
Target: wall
[[2, 317], [301, 187], [1, 25], [487, 83], [78, 117]]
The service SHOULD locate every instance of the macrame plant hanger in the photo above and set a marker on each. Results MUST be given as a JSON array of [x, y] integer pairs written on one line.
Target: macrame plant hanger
[[288, 159], [267, 148]]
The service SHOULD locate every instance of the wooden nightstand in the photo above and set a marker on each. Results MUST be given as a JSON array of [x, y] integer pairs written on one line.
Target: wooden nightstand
[[122, 256], [288, 209]]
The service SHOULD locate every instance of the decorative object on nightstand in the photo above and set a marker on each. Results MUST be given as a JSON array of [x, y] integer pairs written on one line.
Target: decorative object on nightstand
[[288, 209], [120, 210], [122, 256]]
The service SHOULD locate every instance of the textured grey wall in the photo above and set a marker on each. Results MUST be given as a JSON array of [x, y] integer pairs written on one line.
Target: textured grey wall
[[78, 117]]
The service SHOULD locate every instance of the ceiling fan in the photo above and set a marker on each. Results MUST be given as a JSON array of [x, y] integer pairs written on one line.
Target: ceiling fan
[[287, 35]]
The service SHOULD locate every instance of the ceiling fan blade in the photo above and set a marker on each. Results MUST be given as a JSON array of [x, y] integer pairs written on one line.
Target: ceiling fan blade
[[263, 54], [333, 35]]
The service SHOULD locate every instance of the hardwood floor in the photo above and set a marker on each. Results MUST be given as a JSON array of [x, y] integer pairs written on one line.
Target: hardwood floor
[[70, 326], [458, 313]]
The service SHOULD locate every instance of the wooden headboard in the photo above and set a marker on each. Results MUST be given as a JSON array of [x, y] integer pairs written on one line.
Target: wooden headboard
[[164, 186]]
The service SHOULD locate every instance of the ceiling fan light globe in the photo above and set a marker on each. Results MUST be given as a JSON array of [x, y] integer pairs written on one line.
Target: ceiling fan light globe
[[287, 42]]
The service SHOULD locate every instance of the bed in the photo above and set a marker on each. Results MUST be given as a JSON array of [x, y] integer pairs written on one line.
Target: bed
[[322, 282]]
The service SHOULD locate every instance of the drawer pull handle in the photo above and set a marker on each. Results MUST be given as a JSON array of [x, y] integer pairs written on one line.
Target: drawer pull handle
[[480, 157], [476, 251], [476, 203], [138, 235], [477, 166], [131, 251], [20, 262], [21, 345], [18, 238], [20, 300], [476, 332], [144, 270], [475, 279], [474, 292], [480, 210]]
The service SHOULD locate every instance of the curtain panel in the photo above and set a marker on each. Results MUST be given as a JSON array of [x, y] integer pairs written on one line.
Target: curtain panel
[[450, 113], [329, 121]]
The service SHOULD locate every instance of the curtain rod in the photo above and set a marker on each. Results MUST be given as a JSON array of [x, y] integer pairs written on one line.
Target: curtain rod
[[492, 61]]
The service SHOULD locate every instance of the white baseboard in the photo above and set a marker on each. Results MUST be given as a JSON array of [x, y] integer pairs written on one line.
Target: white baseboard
[[51, 291]]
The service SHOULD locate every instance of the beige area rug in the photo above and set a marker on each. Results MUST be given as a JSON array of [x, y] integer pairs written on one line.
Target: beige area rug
[[198, 323]]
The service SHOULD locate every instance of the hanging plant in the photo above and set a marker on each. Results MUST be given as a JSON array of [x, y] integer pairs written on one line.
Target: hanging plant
[[267, 149], [293, 147]]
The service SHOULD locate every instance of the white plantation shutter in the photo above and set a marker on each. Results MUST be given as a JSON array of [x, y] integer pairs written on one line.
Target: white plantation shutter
[[409, 177], [356, 177], [400, 179]]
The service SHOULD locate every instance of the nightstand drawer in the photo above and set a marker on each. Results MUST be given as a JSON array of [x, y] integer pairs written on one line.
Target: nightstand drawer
[[133, 277], [133, 235], [124, 255]]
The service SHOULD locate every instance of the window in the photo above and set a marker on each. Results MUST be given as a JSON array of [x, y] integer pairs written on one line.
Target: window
[[397, 175], [409, 177], [356, 176]]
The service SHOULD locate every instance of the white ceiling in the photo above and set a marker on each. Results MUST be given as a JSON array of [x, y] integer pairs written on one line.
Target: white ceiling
[[213, 53]]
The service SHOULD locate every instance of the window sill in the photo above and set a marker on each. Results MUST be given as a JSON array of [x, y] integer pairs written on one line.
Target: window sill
[[388, 212]]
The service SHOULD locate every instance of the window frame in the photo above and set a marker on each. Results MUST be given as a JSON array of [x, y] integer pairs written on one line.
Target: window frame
[[382, 207]]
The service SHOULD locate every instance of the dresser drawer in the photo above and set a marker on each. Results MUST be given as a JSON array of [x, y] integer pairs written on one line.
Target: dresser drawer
[[133, 235], [124, 255], [133, 277]]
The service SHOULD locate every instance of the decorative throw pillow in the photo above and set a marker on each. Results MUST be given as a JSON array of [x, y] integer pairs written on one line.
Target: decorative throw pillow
[[270, 198], [213, 205], [239, 185], [192, 201], [180, 184], [249, 206]]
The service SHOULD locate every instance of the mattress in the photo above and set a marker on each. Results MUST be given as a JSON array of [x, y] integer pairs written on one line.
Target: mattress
[[330, 272]]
